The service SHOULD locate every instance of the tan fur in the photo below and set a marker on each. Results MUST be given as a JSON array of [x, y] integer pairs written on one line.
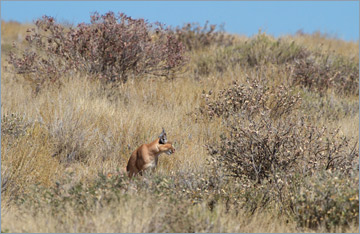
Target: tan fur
[[146, 157]]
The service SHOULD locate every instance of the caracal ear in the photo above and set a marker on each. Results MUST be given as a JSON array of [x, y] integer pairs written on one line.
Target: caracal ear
[[162, 137]]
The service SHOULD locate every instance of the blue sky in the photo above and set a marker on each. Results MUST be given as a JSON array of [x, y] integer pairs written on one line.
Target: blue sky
[[337, 18]]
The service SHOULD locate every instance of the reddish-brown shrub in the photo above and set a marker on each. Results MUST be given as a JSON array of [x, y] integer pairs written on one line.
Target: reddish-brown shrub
[[111, 47]]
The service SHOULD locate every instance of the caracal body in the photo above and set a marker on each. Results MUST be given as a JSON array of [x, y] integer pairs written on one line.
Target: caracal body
[[146, 156]]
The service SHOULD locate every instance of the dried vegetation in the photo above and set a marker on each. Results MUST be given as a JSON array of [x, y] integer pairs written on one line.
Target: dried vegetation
[[266, 129]]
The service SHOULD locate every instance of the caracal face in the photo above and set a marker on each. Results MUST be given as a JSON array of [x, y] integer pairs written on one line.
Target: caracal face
[[146, 156]]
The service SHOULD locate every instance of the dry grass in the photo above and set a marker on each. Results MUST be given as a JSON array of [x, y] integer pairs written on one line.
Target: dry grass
[[80, 119], [124, 217], [318, 41], [12, 32], [84, 129]]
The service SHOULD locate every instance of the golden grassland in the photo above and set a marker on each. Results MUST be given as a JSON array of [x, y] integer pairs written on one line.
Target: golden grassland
[[106, 125]]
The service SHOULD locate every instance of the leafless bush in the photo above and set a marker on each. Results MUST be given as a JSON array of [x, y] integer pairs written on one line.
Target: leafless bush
[[247, 100], [265, 135]]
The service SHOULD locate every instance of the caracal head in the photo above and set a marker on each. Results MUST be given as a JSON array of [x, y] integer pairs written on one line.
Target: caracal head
[[162, 137], [164, 142]]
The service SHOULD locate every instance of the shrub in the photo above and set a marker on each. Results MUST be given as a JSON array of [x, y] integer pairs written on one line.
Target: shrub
[[265, 136], [326, 72], [268, 146], [329, 107], [111, 47], [314, 70], [14, 125], [257, 51], [249, 99], [174, 209], [264, 49], [106, 188], [196, 37], [218, 60], [329, 199]]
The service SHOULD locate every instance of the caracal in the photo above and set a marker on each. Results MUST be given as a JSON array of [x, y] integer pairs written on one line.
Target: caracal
[[146, 156]]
